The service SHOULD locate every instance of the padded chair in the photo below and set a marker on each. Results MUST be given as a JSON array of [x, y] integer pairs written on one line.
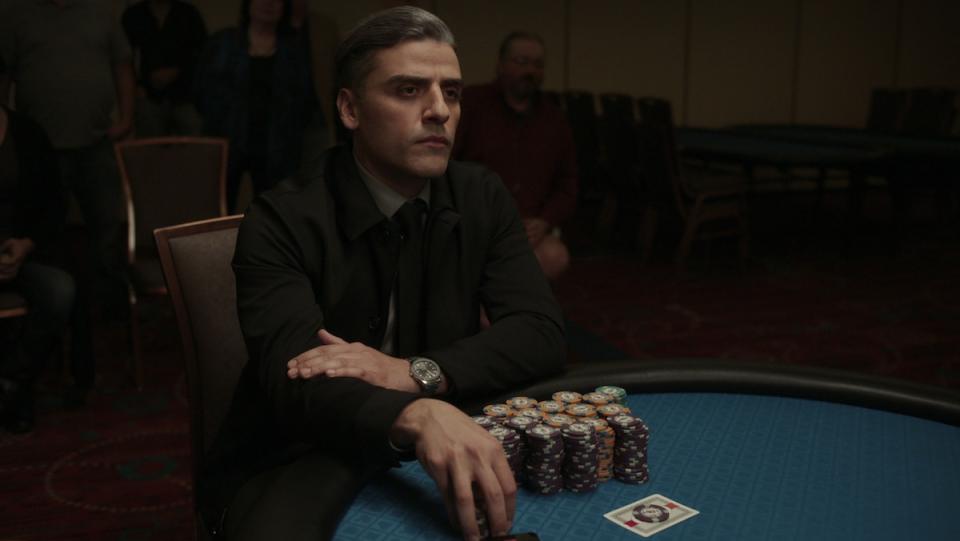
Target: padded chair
[[195, 258], [553, 97], [887, 106], [166, 181], [717, 201], [931, 112], [618, 140], [595, 189]]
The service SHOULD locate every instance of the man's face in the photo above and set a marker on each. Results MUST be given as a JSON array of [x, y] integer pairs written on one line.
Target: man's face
[[520, 71], [405, 115]]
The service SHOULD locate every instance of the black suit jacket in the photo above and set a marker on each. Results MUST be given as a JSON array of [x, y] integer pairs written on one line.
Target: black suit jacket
[[317, 253]]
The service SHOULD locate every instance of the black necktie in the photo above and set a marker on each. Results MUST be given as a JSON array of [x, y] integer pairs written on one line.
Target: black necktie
[[410, 277]]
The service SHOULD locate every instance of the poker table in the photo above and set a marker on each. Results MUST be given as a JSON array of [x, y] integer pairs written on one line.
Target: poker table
[[751, 150], [895, 147], [761, 451]]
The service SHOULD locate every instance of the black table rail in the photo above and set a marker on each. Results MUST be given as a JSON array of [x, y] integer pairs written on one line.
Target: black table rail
[[725, 376]]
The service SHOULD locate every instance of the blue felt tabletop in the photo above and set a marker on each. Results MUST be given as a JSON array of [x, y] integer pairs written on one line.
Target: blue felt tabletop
[[755, 467]]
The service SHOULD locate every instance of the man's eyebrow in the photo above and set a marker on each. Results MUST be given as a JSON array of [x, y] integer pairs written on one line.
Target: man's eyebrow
[[420, 81]]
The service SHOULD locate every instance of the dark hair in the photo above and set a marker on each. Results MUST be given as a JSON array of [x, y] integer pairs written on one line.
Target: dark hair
[[283, 26], [514, 36], [354, 56]]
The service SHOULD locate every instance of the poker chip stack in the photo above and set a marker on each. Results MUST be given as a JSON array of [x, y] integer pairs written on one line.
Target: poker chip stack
[[533, 413], [484, 421], [580, 460], [542, 469], [567, 397], [630, 450], [559, 420], [498, 412], [612, 410], [520, 424], [510, 441], [551, 407], [617, 394], [483, 525], [597, 399], [606, 439], [522, 402], [581, 410]]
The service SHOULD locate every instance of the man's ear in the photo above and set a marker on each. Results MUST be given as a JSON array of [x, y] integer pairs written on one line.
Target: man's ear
[[347, 109]]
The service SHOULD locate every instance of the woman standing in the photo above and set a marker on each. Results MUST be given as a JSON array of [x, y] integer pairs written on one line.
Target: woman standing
[[254, 88]]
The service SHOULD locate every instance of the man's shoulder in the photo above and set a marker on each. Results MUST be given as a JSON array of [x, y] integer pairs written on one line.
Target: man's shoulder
[[306, 187]]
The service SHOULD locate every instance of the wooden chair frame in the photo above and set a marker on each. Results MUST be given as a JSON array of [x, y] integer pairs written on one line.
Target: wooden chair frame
[[163, 237], [131, 249]]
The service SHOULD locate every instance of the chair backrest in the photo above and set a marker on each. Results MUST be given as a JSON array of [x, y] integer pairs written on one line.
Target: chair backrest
[[168, 181], [618, 135], [887, 106], [553, 97], [658, 155], [196, 264], [582, 116], [930, 113]]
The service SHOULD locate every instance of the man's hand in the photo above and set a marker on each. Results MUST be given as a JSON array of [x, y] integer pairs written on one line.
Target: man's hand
[[464, 460], [338, 359], [13, 252], [536, 229]]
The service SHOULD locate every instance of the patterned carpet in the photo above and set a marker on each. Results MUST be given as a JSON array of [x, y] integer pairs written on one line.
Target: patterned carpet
[[118, 469]]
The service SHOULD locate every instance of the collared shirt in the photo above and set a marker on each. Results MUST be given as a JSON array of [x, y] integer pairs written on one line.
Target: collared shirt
[[62, 61], [389, 202], [532, 152]]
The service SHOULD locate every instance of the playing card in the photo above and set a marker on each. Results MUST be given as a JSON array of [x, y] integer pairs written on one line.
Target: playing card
[[650, 515]]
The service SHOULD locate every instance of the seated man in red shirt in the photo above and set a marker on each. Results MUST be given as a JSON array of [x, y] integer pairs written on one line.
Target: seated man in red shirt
[[526, 140]]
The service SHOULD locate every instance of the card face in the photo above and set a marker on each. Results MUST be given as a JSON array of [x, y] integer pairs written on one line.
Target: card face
[[650, 515]]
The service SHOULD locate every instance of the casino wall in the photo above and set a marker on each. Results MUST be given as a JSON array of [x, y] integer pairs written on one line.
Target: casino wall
[[720, 63]]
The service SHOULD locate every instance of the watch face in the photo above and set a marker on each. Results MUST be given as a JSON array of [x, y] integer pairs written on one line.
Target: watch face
[[426, 370]]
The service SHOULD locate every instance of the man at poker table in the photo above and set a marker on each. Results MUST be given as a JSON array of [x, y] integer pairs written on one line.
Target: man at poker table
[[358, 349]]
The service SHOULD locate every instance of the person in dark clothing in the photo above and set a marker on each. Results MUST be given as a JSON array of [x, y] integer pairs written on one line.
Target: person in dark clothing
[[166, 37], [359, 288], [32, 212], [254, 88], [71, 66]]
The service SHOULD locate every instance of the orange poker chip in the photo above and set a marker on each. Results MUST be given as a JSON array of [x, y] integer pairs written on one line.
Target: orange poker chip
[[521, 402], [581, 410], [550, 406], [567, 397]]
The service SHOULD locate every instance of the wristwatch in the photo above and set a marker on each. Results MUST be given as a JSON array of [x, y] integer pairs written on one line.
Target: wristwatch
[[426, 373]]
